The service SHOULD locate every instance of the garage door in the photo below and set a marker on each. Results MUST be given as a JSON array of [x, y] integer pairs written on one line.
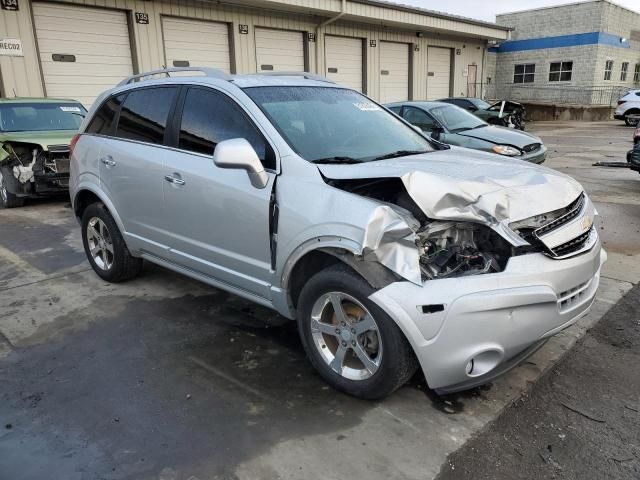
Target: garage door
[[344, 61], [83, 51], [438, 73], [196, 43], [279, 50], [394, 72]]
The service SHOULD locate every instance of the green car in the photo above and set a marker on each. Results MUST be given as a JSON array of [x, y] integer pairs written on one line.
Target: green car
[[35, 134]]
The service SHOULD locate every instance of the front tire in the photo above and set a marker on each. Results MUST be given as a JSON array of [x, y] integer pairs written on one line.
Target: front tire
[[105, 248], [354, 345], [8, 199]]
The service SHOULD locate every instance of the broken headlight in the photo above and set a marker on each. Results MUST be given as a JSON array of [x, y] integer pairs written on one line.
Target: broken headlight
[[454, 249]]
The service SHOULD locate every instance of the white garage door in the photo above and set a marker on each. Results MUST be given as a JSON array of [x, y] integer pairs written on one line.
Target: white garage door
[[83, 51], [344, 61], [196, 43], [279, 50], [438, 73], [394, 72]]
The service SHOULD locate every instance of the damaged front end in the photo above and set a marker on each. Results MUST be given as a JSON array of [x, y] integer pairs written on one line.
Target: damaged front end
[[417, 248], [30, 169]]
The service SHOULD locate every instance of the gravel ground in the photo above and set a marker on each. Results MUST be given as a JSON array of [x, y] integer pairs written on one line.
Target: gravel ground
[[580, 421]]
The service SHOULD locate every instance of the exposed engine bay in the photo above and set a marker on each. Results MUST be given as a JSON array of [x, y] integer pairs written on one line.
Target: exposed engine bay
[[34, 169], [446, 248]]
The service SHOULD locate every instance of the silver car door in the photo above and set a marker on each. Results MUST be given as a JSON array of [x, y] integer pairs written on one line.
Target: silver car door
[[218, 222], [131, 166]]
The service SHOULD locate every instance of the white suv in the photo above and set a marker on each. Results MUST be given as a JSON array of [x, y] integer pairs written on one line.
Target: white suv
[[629, 108], [391, 250]]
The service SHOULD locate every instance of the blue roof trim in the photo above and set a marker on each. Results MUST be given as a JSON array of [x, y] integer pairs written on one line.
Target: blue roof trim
[[575, 40]]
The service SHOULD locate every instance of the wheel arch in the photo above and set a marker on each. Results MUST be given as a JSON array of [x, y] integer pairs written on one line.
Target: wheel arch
[[88, 194]]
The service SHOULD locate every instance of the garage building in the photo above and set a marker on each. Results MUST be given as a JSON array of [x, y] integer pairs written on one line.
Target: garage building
[[77, 49]]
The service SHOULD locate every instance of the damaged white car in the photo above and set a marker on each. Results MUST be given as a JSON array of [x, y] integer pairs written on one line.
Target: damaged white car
[[390, 250]]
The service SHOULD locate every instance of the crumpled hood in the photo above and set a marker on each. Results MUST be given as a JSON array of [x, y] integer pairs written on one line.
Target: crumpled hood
[[44, 139], [502, 136], [468, 185]]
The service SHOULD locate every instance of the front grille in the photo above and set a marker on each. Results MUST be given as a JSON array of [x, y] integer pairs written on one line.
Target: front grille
[[573, 210], [58, 148], [531, 147], [572, 246]]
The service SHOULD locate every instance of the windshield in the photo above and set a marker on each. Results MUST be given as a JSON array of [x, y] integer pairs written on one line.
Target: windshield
[[339, 125], [481, 104], [456, 119], [36, 117]]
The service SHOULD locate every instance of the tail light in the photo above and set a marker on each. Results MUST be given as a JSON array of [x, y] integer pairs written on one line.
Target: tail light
[[72, 145]]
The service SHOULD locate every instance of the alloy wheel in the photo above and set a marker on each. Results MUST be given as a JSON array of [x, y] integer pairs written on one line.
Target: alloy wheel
[[100, 243], [346, 336]]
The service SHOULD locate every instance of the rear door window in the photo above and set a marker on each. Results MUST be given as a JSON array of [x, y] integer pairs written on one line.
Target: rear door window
[[210, 117], [143, 116], [419, 118], [103, 121]]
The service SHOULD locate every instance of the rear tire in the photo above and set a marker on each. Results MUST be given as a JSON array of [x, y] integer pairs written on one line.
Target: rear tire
[[105, 248], [359, 350], [8, 199], [631, 122]]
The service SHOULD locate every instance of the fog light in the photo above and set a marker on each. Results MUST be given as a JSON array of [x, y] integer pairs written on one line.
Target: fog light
[[483, 362]]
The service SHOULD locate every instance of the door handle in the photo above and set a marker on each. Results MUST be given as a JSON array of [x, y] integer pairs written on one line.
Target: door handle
[[108, 161], [174, 180]]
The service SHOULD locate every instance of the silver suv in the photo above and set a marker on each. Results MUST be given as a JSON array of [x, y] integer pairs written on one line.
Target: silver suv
[[392, 251]]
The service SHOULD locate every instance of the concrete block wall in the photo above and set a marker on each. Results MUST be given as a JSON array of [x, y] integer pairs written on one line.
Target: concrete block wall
[[553, 21]]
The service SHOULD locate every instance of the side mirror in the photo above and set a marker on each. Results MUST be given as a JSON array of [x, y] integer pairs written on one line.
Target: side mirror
[[472, 109], [237, 153], [435, 133]]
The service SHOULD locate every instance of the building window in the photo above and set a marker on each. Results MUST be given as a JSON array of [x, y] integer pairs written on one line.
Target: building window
[[608, 68], [623, 71], [636, 73], [524, 73], [560, 71]]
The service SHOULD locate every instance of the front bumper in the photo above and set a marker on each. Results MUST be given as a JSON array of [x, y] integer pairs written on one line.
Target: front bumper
[[618, 116], [484, 325]]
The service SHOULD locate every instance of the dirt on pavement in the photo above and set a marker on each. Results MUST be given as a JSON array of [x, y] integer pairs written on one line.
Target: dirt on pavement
[[580, 421]]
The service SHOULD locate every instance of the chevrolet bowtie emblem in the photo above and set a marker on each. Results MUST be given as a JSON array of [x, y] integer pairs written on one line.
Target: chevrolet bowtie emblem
[[587, 222]]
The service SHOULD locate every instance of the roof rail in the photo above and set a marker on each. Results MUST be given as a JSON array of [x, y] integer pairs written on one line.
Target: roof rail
[[209, 72], [307, 75]]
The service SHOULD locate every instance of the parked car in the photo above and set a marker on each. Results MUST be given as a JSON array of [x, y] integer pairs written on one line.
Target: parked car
[[34, 147], [504, 113], [391, 250], [455, 126], [629, 108]]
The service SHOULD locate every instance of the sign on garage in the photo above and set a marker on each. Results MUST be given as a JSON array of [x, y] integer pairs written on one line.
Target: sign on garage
[[344, 61], [394, 72], [196, 43], [438, 73], [279, 50], [11, 47], [83, 61]]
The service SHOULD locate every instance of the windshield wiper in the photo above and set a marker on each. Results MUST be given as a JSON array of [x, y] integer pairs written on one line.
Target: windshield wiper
[[399, 153], [337, 160]]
